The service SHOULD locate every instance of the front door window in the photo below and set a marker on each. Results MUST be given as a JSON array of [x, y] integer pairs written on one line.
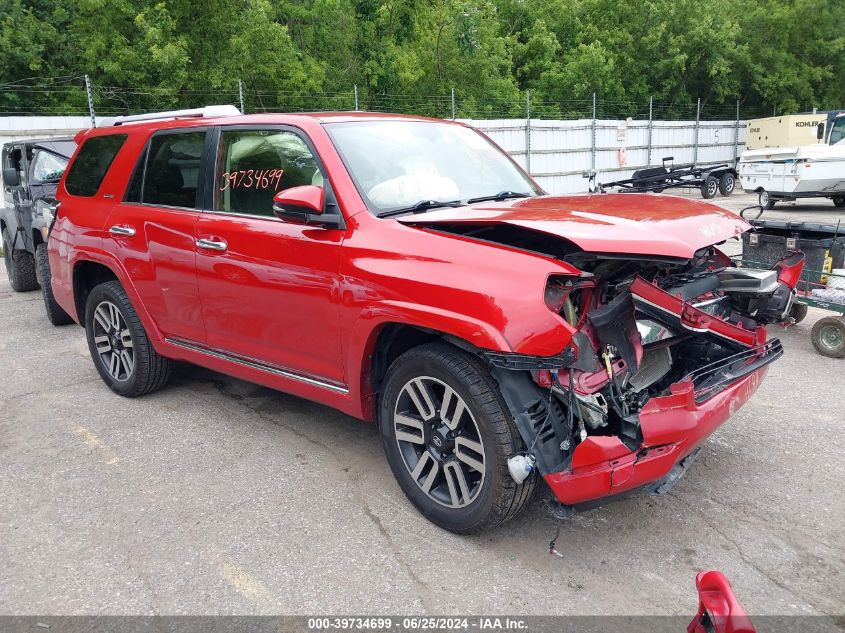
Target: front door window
[[255, 165]]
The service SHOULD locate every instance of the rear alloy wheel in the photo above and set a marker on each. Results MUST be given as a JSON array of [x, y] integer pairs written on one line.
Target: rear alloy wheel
[[119, 346], [727, 184], [447, 436], [20, 266], [55, 314], [828, 337], [709, 187], [765, 200], [839, 201]]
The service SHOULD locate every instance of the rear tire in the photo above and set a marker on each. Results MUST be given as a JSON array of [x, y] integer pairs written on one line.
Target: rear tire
[[828, 337], [727, 184], [709, 187], [765, 200], [55, 314], [452, 466], [798, 311], [119, 345], [839, 201], [20, 267]]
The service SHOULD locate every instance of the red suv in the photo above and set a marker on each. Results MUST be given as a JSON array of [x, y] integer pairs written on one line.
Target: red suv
[[407, 271]]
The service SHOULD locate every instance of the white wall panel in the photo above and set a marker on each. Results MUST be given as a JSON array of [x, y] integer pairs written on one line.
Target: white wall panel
[[559, 150]]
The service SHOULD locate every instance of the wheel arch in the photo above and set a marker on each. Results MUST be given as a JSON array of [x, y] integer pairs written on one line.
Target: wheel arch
[[89, 272], [380, 343]]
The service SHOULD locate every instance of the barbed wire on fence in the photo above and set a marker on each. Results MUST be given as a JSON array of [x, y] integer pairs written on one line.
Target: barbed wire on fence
[[67, 95]]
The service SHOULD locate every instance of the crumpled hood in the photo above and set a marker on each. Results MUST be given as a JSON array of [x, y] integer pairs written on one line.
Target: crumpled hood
[[624, 223]]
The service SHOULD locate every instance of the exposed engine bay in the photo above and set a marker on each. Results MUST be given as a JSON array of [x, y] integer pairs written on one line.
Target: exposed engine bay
[[640, 325]]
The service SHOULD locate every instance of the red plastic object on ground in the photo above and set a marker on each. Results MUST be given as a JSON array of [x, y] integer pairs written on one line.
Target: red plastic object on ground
[[718, 609]]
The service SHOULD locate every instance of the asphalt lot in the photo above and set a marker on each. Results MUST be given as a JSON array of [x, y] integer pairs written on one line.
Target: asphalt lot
[[215, 496]]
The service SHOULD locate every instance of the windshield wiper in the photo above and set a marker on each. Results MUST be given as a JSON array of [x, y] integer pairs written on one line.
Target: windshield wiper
[[502, 195], [422, 205]]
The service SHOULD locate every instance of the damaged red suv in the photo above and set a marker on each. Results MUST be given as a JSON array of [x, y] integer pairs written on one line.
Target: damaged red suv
[[407, 271]]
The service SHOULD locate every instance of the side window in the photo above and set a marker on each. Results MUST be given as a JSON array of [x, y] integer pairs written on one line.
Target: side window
[[172, 171], [48, 167], [254, 165], [88, 169]]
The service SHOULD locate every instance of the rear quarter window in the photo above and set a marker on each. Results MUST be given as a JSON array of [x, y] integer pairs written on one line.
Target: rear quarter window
[[91, 164]]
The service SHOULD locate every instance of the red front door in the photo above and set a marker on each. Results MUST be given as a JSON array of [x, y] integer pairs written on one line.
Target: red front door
[[268, 286]]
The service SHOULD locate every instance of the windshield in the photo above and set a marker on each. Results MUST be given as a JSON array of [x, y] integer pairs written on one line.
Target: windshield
[[48, 167], [398, 164], [837, 133]]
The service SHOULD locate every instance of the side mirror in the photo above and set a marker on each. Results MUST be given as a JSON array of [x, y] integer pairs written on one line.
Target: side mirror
[[820, 131], [11, 178], [299, 202], [308, 204]]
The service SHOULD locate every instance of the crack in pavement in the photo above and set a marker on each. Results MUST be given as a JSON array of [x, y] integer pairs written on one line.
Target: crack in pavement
[[421, 588], [750, 561]]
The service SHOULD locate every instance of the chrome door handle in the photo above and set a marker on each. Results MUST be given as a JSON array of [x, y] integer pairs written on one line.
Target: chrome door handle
[[212, 245], [122, 229]]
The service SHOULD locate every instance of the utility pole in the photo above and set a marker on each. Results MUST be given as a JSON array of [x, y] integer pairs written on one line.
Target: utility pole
[[528, 131], [650, 126], [697, 122], [736, 131], [241, 95], [453, 104], [90, 101], [355, 90], [593, 142]]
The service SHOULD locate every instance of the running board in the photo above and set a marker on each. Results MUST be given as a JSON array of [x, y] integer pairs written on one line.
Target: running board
[[253, 363]]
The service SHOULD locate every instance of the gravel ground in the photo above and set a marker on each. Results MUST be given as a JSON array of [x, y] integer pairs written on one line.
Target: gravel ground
[[216, 496]]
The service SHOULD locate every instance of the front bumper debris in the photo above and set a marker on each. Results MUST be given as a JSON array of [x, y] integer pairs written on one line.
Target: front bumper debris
[[672, 426]]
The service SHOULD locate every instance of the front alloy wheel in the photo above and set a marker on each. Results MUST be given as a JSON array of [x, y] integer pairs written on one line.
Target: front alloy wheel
[[448, 435], [439, 441]]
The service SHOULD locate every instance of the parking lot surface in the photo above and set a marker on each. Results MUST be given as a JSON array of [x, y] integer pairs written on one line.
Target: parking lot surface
[[215, 496]]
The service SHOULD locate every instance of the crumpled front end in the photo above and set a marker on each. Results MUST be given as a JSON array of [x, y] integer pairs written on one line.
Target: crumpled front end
[[662, 353]]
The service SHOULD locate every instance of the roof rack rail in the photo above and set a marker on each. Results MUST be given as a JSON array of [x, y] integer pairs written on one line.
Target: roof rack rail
[[207, 111]]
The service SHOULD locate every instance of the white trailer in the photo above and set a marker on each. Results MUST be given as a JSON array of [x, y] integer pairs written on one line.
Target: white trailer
[[789, 173]]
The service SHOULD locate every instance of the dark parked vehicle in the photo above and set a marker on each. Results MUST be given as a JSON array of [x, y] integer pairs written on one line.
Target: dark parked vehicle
[[31, 173]]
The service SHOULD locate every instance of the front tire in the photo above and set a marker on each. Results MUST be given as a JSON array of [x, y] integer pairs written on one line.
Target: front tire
[[448, 435], [55, 314], [709, 187], [828, 336], [798, 311], [119, 345], [20, 267]]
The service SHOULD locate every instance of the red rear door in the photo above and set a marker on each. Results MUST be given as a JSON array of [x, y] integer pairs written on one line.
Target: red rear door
[[269, 287], [152, 230]]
